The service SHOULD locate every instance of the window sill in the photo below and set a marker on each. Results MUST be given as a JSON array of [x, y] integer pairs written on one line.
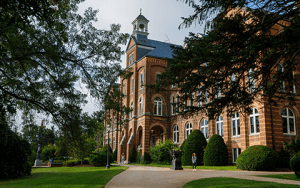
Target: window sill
[[238, 136], [254, 134], [289, 134]]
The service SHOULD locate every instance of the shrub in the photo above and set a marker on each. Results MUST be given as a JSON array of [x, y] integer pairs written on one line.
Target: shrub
[[257, 157], [146, 159], [132, 158], [139, 157], [195, 143], [293, 147], [284, 159], [48, 151], [182, 145], [100, 159], [161, 152], [104, 149], [295, 164], [115, 154], [15, 152], [72, 162], [216, 153]]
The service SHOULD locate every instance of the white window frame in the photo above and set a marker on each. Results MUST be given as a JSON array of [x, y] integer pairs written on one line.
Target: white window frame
[[206, 95], [204, 128], [141, 81], [283, 84], [121, 143], [218, 90], [176, 134], [254, 123], [288, 117], [131, 136], [236, 120], [200, 96], [188, 129], [219, 126], [191, 99], [132, 57], [236, 151], [132, 85], [140, 106], [131, 106], [157, 105], [233, 81], [251, 80]]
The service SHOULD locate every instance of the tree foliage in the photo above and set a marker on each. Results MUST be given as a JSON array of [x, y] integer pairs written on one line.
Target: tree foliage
[[48, 50], [239, 57], [14, 152]]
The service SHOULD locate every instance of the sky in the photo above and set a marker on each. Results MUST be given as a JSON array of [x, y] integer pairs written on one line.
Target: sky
[[164, 18]]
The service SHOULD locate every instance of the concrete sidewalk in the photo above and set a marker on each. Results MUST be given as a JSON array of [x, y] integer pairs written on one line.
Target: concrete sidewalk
[[146, 176]]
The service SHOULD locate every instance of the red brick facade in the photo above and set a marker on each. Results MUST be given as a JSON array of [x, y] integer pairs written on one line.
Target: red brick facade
[[147, 127]]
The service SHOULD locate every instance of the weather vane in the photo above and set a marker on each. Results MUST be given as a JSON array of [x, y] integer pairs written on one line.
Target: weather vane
[[140, 11]]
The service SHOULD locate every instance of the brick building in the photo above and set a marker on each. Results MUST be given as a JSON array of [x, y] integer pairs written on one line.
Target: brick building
[[154, 119]]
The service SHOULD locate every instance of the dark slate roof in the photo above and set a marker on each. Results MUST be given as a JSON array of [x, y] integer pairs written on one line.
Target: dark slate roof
[[161, 50]]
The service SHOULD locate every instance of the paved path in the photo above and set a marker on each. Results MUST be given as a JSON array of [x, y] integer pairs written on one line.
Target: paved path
[[146, 176]]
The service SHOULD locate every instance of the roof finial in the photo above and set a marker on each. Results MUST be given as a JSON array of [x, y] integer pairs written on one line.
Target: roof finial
[[140, 11]]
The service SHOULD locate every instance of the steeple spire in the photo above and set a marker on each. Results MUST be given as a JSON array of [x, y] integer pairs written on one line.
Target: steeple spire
[[140, 26]]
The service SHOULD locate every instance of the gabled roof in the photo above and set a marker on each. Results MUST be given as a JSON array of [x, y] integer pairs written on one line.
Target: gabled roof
[[161, 50]]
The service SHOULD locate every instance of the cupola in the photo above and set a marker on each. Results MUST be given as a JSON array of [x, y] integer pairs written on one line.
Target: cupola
[[140, 27]]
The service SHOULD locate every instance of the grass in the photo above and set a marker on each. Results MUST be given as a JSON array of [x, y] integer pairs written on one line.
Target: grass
[[233, 182], [190, 167], [281, 176], [66, 177]]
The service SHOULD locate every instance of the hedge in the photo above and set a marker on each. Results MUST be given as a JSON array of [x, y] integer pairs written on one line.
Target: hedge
[[216, 152]]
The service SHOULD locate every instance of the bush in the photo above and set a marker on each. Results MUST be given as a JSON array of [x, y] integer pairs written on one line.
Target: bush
[[284, 159], [216, 153], [15, 152], [257, 157], [72, 162], [295, 164], [161, 152], [146, 159], [104, 149], [132, 158], [115, 155], [182, 145], [195, 143], [139, 157], [100, 159], [48, 151]]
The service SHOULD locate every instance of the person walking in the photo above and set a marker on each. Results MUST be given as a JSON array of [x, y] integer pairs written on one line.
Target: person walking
[[122, 158], [194, 159]]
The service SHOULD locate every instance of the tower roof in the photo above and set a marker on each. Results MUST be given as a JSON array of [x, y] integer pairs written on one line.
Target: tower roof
[[140, 17]]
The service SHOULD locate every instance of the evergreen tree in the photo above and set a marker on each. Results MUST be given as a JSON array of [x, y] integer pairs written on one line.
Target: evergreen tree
[[216, 152]]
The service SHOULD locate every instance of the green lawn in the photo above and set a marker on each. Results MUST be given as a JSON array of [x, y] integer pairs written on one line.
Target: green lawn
[[281, 176], [233, 182], [190, 167], [66, 177]]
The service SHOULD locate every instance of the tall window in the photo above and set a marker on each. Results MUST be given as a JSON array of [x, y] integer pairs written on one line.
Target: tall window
[[288, 121], [251, 80], [185, 102], [131, 106], [141, 81], [200, 96], [204, 128], [191, 99], [254, 121], [114, 143], [235, 122], [220, 125], [233, 83], [235, 153], [132, 58], [129, 59], [175, 134], [157, 106], [206, 95], [291, 81], [177, 103], [188, 129], [141, 106], [132, 85], [173, 106], [280, 79]]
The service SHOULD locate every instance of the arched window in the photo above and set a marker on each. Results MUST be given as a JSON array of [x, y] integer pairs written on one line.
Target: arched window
[[175, 134], [173, 106], [131, 106], [204, 128], [235, 122], [189, 128], [141, 106], [254, 121], [157, 106], [220, 125], [177, 103], [288, 121]]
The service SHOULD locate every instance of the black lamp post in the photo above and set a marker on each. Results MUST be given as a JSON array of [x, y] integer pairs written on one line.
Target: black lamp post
[[107, 166]]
